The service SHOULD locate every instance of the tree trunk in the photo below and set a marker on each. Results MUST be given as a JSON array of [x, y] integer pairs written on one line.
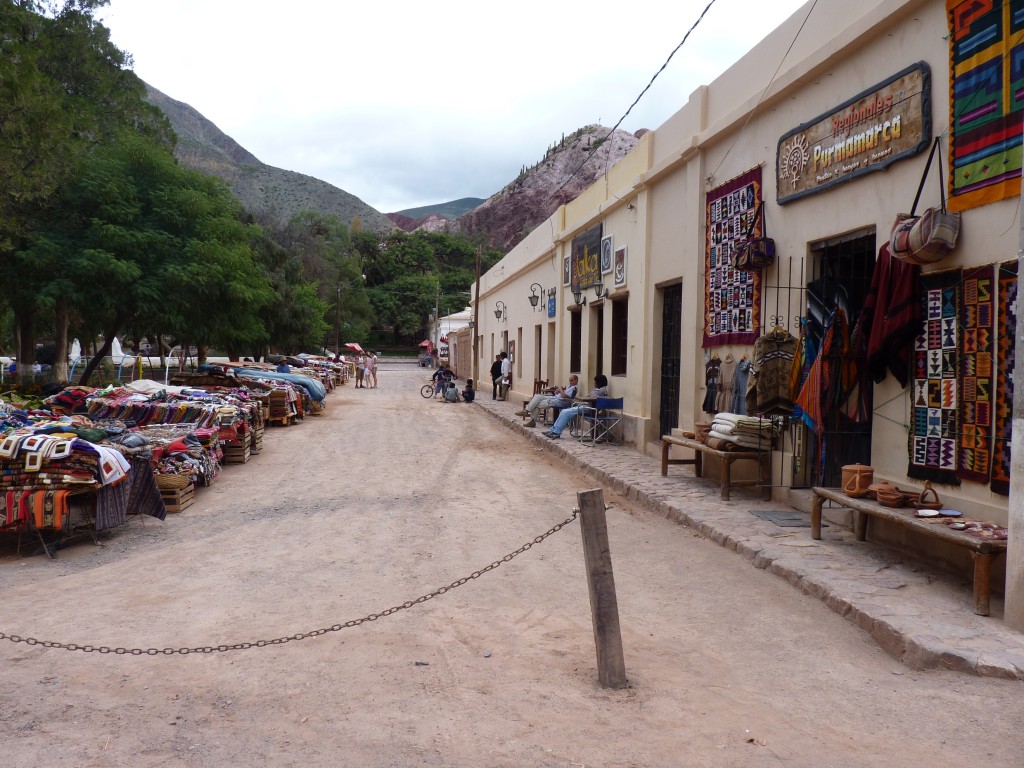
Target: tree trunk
[[26, 346], [60, 340], [201, 350], [103, 351]]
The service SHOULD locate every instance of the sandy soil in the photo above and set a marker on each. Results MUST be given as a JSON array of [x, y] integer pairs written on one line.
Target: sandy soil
[[385, 498]]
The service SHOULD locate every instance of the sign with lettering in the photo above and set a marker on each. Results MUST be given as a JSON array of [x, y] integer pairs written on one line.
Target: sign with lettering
[[888, 122], [586, 259]]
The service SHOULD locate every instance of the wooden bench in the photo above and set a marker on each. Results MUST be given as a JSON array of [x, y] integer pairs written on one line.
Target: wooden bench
[[763, 459], [983, 551]]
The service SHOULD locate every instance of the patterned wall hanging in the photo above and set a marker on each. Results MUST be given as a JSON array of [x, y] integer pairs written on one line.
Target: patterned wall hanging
[[732, 299], [986, 106], [934, 433], [1005, 364], [977, 315]]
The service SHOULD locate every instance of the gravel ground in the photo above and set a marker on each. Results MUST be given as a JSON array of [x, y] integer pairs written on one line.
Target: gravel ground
[[385, 498]]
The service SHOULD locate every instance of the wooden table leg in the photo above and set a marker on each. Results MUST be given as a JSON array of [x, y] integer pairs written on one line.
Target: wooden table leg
[[860, 525], [726, 472], [816, 516], [664, 457], [982, 574]]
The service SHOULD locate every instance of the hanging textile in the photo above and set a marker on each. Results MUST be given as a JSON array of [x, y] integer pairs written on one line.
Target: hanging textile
[[768, 391], [890, 317], [977, 315], [711, 372], [739, 387], [986, 45], [1005, 364], [732, 298], [933, 432], [726, 381]]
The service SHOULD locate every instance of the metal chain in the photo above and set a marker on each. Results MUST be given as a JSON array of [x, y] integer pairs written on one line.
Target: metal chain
[[300, 635]]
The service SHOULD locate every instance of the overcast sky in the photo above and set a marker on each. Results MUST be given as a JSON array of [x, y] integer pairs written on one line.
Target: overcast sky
[[410, 103]]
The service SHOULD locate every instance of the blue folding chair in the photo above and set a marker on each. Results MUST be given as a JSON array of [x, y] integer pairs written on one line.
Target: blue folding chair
[[597, 424]]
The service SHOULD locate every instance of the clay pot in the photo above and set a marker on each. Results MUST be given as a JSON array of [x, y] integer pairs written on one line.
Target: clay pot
[[857, 479]]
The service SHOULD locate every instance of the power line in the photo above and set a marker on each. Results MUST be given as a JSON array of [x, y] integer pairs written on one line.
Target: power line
[[640, 96]]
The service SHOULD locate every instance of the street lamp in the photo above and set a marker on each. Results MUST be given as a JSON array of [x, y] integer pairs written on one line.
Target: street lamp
[[534, 297], [500, 310]]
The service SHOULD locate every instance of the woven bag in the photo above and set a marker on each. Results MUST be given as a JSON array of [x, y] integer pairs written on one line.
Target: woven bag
[[931, 236]]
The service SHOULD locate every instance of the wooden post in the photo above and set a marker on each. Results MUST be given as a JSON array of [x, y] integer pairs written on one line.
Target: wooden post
[[604, 607]]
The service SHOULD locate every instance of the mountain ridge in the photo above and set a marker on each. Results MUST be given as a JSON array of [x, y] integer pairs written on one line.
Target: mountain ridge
[[261, 188]]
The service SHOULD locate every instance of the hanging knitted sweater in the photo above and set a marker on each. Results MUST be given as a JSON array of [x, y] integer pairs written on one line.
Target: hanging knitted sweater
[[772, 364]]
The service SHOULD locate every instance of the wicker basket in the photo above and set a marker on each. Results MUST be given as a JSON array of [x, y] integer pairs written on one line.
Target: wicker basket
[[173, 481]]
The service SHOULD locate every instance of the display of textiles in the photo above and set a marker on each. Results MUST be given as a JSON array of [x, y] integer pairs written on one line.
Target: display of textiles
[[986, 43], [934, 429], [1005, 366], [732, 303], [977, 316]]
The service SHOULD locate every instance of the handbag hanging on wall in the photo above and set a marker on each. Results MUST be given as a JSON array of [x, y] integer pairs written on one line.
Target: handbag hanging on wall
[[755, 253], [931, 236]]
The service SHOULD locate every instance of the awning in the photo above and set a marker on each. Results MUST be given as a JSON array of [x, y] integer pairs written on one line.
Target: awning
[[355, 348], [426, 343]]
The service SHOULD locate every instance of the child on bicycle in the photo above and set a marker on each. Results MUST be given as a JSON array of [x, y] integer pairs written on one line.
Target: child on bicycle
[[441, 378]]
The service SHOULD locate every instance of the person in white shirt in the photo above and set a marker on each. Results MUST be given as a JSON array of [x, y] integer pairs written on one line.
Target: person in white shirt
[[506, 375]]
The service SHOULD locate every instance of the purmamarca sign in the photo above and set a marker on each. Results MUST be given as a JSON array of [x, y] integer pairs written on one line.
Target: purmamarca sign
[[888, 122]]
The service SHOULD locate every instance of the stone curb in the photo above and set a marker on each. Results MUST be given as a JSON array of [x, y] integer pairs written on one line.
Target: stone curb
[[896, 634]]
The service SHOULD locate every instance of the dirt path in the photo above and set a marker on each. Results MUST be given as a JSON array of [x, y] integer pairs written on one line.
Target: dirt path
[[385, 498]]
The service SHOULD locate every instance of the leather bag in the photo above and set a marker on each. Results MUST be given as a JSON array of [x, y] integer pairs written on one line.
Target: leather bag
[[931, 236], [755, 253]]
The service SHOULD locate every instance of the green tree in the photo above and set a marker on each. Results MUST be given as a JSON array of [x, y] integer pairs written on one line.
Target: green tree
[[139, 242], [64, 89]]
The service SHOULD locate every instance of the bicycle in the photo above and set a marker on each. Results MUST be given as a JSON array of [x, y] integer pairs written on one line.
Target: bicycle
[[427, 390]]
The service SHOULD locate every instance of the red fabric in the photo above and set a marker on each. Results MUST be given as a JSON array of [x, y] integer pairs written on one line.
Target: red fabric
[[891, 316]]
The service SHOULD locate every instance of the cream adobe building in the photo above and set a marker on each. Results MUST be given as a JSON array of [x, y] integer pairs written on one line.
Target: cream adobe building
[[647, 332]]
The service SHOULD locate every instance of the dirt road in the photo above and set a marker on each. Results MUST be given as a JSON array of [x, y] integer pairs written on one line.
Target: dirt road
[[385, 498]]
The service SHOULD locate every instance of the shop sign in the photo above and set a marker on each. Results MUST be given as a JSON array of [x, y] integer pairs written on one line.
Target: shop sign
[[888, 122], [586, 259]]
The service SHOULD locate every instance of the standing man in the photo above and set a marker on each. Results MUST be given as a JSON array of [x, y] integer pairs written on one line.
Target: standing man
[[495, 376], [506, 375]]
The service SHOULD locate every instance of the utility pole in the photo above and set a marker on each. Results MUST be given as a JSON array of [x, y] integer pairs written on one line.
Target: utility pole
[[476, 323], [337, 323]]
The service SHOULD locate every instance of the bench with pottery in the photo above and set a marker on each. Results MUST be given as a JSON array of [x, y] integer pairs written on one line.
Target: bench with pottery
[[919, 511], [763, 459]]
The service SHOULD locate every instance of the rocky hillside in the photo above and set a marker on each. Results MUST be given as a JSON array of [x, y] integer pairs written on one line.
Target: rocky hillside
[[260, 187], [566, 170]]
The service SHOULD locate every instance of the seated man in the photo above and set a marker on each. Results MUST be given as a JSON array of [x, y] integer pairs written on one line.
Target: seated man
[[568, 414], [555, 397]]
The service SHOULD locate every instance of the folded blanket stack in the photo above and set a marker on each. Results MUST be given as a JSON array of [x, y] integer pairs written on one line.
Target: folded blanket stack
[[744, 431]]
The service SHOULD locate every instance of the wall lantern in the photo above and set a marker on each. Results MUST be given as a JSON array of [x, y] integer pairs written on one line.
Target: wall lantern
[[599, 288], [579, 298], [534, 297], [500, 310]]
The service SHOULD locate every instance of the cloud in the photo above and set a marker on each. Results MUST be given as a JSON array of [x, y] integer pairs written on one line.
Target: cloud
[[405, 104]]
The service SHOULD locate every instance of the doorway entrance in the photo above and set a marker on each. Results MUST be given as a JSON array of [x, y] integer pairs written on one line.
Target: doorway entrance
[[841, 270], [671, 357]]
